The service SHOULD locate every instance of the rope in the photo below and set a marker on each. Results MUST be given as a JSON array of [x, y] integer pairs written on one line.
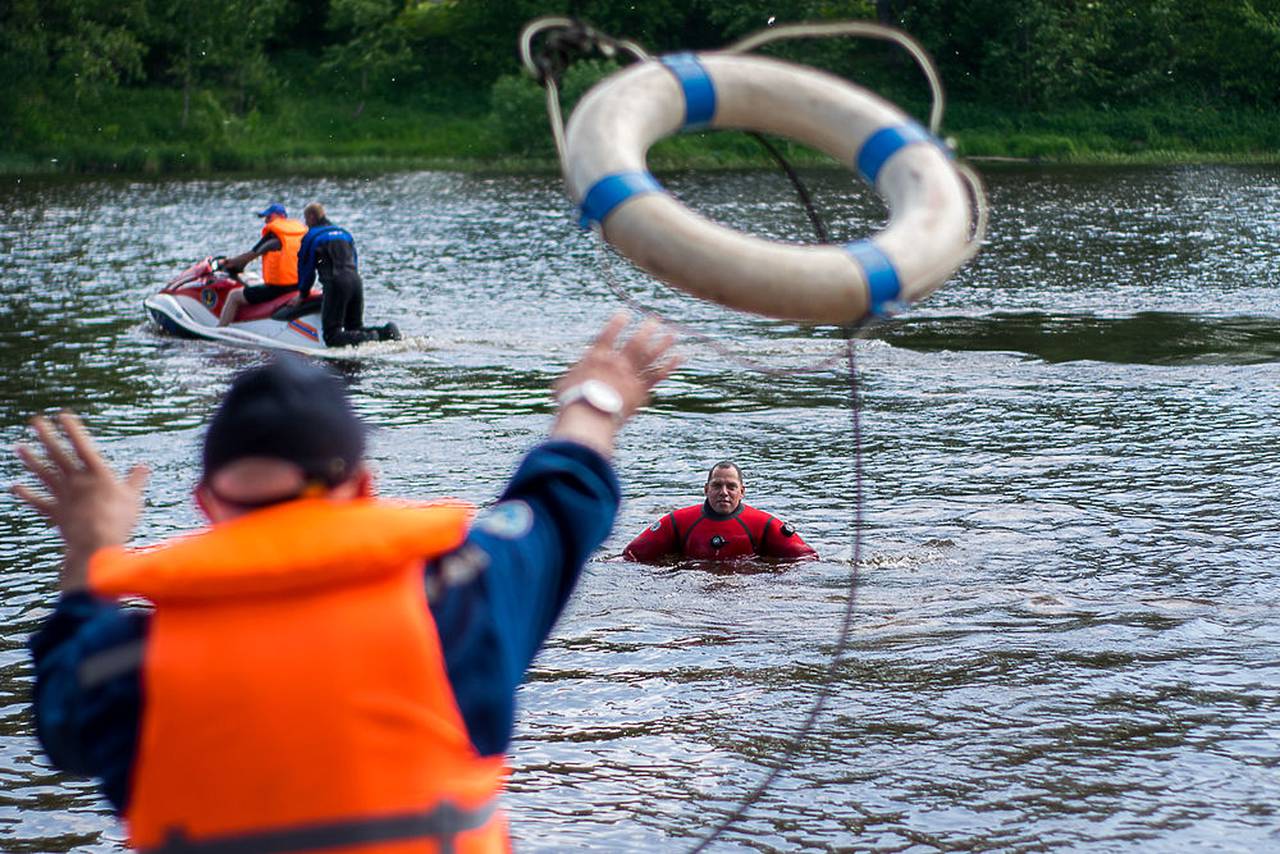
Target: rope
[[801, 190], [856, 28], [850, 334], [568, 38], [846, 627], [547, 68]]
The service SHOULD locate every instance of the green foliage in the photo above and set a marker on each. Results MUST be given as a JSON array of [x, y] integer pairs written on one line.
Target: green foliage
[[377, 44], [519, 106], [1047, 53], [163, 84]]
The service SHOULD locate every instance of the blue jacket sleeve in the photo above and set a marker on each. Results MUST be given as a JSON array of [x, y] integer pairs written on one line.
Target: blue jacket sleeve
[[88, 690], [496, 598]]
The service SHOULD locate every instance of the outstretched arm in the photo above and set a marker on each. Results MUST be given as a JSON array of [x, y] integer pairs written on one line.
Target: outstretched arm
[[86, 719], [237, 263], [83, 498], [781, 540], [496, 598]]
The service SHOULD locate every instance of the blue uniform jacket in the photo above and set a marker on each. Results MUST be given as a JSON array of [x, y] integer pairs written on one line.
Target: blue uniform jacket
[[325, 243], [494, 601]]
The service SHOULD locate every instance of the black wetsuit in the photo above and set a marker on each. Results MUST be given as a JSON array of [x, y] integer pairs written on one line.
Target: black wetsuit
[[330, 252]]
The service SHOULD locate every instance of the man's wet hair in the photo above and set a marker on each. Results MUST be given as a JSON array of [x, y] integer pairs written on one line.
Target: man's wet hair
[[726, 464]]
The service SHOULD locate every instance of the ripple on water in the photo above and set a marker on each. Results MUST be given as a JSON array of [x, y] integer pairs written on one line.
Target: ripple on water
[[1065, 631]]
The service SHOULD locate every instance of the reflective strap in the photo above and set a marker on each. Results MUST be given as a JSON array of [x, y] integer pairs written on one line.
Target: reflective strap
[[611, 191], [110, 663], [885, 143], [882, 279], [699, 91], [440, 825]]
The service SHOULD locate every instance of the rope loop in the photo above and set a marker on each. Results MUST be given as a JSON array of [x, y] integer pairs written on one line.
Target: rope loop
[[568, 39]]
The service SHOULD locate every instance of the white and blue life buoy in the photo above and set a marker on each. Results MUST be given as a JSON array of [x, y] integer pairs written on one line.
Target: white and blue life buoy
[[926, 240]]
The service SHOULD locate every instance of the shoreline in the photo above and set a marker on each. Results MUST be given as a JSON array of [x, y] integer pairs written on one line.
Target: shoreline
[[19, 166]]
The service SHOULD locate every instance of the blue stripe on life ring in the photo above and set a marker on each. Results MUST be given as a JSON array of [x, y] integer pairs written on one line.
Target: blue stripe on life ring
[[885, 143], [610, 191], [882, 279], [699, 91]]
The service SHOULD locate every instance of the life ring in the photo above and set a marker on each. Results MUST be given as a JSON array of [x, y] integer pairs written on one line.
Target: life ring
[[926, 240]]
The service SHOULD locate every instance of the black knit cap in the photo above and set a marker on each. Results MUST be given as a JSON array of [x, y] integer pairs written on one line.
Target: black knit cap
[[289, 409]]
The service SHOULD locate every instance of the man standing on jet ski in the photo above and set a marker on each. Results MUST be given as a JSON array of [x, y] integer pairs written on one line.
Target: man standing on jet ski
[[330, 252], [278, 248]]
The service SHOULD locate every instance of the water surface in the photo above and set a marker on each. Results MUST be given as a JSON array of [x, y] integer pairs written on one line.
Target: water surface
[[1065, 634]]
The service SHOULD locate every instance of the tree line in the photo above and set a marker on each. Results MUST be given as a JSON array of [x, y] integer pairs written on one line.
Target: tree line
[[238, 56]]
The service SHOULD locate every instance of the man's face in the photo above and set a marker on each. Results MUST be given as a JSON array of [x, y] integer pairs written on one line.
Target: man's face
[[725, 490]]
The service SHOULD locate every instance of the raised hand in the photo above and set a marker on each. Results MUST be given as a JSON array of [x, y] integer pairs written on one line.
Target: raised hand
[[91, 507], [631, 370]]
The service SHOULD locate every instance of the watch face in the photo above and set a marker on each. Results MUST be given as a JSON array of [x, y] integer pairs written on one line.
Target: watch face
[[602, 396]]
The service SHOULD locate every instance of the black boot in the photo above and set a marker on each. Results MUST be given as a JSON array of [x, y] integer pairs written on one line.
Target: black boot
[[389, 332]]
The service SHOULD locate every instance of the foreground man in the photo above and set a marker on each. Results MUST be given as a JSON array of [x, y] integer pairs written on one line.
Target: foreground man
[[322, 669], [721, 528], [278, 248]]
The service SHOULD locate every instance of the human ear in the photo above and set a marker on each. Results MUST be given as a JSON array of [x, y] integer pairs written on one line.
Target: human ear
[[365, 485], [207, 503]]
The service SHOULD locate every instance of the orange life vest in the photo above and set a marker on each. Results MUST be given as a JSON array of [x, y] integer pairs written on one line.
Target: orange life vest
[[280, 267], [295, 692]]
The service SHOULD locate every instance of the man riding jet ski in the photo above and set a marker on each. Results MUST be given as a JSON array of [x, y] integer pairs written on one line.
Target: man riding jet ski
[[211, 299]]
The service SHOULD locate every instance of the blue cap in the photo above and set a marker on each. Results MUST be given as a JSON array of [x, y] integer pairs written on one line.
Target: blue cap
[[274, 209]]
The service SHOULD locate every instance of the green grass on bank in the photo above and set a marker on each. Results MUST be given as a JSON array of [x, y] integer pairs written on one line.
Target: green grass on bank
[[140, 132], [1147, 134]]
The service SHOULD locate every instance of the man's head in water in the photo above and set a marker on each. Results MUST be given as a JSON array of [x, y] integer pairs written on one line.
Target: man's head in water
[[725, 487], [283, 431]]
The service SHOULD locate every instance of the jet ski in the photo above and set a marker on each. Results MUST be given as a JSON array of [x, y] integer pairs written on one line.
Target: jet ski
[[190, 303]]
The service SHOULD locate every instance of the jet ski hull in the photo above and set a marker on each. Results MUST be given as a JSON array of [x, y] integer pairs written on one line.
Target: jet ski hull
[[190, 304]]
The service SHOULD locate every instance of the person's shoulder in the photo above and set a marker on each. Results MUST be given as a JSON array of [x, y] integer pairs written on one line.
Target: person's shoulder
[[682, 515], [783, 539]]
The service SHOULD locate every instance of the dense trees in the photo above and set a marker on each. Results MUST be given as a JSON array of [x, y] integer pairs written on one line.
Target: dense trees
[[232, 58]]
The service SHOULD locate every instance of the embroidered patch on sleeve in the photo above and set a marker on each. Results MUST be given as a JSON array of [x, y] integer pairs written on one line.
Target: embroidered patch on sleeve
[[508, 520]]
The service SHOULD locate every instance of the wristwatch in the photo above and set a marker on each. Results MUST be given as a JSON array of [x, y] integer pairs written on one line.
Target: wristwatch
[[597, 394]]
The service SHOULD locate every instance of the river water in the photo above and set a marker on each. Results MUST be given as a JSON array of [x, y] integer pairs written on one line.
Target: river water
[[1065, 628]]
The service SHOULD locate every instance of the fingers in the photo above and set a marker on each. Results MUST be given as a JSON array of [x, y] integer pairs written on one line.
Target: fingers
[[80, 441], [38, 502], [57, 465], [137, 478], [659, 373], [52, 444], [647, 345], [36, 466], [659, 348], [609, 334]]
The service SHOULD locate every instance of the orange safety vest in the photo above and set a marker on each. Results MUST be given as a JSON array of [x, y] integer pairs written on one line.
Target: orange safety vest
[[295, 692], [280, 267]]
